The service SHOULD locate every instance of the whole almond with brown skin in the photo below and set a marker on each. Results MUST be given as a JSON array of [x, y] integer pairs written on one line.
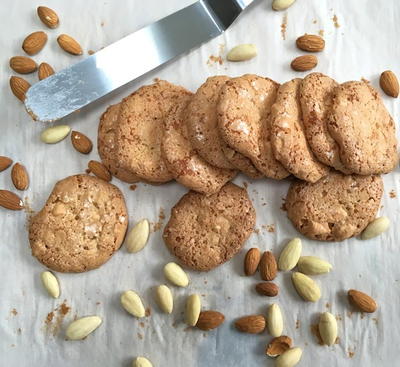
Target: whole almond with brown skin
[[268, 289], [253, 324], [19, 177], [23, 64], [45, 70], [278, 346], [362, 301], [68, 44], [11, 201], [99, 170], [389, 83], [48, 16], [310, 43], [5, 162], [209, 320], [268, 266], [251, 261], [34, 42], [19, 87], [304, 63], [81, 142]]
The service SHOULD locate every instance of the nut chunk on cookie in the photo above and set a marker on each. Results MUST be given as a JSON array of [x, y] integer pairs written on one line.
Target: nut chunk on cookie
[[336, 207], [206, 231], [81, 226]]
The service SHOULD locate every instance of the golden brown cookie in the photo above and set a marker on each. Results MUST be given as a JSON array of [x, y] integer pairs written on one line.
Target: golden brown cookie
[[288, 138], [202, 122], [141, 128], [81, 225], [336, 207], [206, 231], [316, 98], [182, 160], [243, 119], [106, 144], [364, 129]]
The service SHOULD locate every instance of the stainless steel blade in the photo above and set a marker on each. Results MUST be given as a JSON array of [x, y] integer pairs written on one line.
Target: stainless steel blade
[[125, 60]]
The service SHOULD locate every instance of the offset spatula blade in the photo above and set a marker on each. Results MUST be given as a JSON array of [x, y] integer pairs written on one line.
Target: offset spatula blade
[[123, 61]]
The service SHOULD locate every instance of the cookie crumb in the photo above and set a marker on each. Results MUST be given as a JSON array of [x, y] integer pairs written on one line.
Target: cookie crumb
[[214, 60], [141, 324], [14, 312], [53, 322], [256, 231], [140, 336], [328, 305], [349, 313], [298, 324], [335, 21], [91, 52], [314, 21], [148, 312], [375, 320], [338, 317], [315, 330], [49, 317], [283, 206], [102, 23], [19, 331], [284, 26], [12, 345], [321, 32], [392, 194], [351, 352], [133, 187], [158, 225], [98, 303]]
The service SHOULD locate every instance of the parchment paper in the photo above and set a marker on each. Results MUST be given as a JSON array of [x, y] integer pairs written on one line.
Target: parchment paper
[[363, 44]]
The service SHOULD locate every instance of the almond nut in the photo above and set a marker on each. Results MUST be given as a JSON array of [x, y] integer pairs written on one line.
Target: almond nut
[[242, 52], [48, 16], [290, 255], [306, 287], [312, 265], [81, 142], [141, 362], [362, 301], [23, 64], [274, 320], [19, 87], [55, 134], [389, 83], [193, 309], [278, 346], [281, 4], [304, 63], [209, 320], [175, 274], [138, 236], [289, 358], [99, 170], [310, 43], [268, 266], [34, 42], [251, 261], [44, 71], [328, 328], [50, 283], [268, 289], [81, 328], [164, 298], [375, 228], [253, 324], [68, 44], [5, 162], [19, 177], [132, 303], [9, 200]]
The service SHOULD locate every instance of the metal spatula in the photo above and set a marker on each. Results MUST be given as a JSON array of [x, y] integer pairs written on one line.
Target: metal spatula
[[77, 86]]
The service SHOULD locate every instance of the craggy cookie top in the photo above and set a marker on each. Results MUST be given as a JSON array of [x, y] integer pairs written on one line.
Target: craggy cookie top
[[182, 160], [141, 128], [243, 119], [363, 128], [81, 225], [288, 138], [106, 144], [316, 97], [336, 207], [202, 122], [206, 231]]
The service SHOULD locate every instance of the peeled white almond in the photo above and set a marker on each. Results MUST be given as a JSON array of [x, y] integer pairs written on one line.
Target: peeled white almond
[[50, 283], [55, 134], [81, 328], [274, 320], [138, 236], [164, 298], [132, 303], [175, 274]]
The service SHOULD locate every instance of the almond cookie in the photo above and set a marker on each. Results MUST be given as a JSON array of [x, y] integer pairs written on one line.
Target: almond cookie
[[206, 231], [288, 138], [106, 144], [243, 119], [187, 167], [316, 98], [141, 128], [364, 129], [336, 207], [202, 122], [81, 225]]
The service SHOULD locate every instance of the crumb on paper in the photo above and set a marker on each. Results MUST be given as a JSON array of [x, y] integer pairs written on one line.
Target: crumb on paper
[[187, 328], [19, 331], [148, 312], [335, 21], [132, 187], [375, 320], [338, 317], [203, 295], [55, 318], [269, 227], [315, 331], [98, 303], [314, 21], [102, 23], [140, 336], [298, 324], [12, 345], [283, 206], [362, 315], [212, 59], [256, 231], [321, 32], [365, 80], [229, 297], [14, 312], [91, 52], [161, 216], [328, 305], [349, 314], [337, 341], [156, 80], [392, 194], [141, 324], [284, 26], [245, 184], [351, 352], [205, 281]]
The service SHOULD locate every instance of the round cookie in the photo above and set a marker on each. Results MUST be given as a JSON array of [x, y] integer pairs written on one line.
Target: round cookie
[[106, 144], [187, 167], [364, 129], [206, 231], [336, 207], [82, 224], [288, 138], [202, 122], [141, 128], [316, 98], [243, 119]]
